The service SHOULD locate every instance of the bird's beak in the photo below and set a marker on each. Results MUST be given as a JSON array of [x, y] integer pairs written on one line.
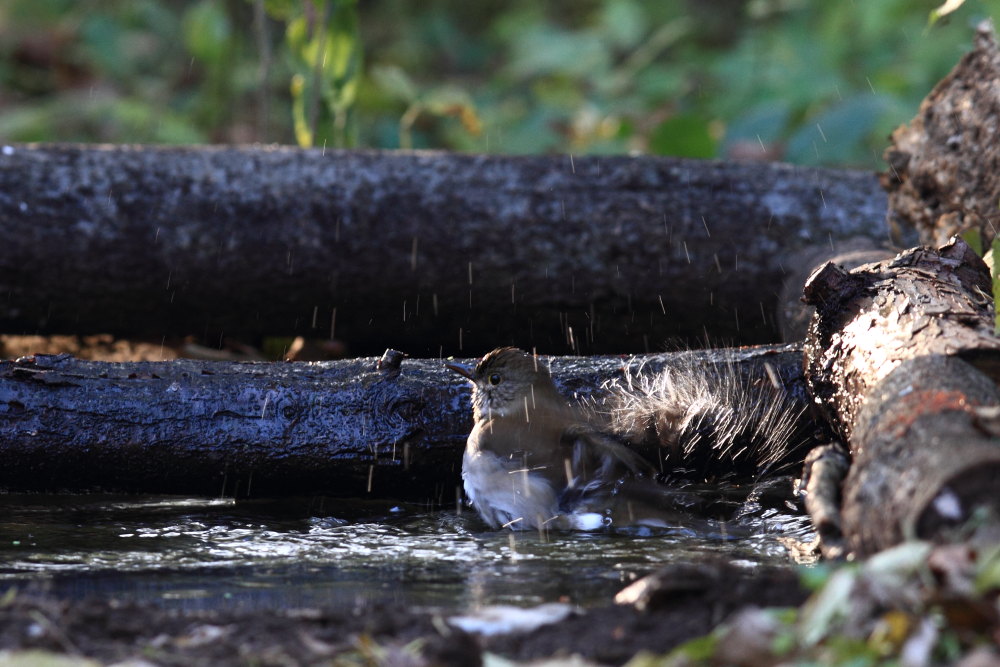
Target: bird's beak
[[461, 369]]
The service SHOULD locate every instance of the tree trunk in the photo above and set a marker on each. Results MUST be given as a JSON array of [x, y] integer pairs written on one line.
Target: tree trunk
[[433, 253], [881, 360], [344, 428]]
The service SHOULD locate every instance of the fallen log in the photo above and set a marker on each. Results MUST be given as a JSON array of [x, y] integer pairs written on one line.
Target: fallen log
[[383, 428], [884, 359], [433, 253]]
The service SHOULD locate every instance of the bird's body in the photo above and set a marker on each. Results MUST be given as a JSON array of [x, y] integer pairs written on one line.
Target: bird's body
[[532, 460]]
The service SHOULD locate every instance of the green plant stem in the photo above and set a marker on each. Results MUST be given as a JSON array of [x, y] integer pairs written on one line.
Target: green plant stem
[[317, 82], [263, 69]]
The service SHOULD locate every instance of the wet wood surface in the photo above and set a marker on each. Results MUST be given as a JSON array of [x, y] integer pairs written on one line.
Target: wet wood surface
[[429, 252], [349, 428]]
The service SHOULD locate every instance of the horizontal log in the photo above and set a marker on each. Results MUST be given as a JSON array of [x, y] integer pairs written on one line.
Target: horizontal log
[[429, 252], [346, 428]]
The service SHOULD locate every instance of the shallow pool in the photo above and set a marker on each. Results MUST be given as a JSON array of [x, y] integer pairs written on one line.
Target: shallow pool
[[195, 553]]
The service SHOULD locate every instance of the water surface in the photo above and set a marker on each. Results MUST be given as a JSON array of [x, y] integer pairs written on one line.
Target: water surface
[[196, 553]]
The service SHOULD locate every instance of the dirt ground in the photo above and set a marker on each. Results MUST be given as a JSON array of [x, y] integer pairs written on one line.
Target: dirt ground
[[686, 603]]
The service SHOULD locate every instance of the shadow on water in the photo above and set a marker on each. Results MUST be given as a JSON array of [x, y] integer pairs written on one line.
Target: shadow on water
[[190, 553]]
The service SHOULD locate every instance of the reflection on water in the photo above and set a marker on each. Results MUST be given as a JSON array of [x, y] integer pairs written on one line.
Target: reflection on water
[[200, 553]]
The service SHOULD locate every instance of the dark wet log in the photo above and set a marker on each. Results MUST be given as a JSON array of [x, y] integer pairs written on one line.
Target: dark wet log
[[942, 176], [343, 428], [422, 251], [879, 362]]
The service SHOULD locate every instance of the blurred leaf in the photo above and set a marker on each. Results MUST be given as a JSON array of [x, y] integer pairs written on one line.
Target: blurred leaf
[[624, 22], [545, 51], [82, 117], [890, 631], [37, 12], [974, 239], [837, 135], [816, 576], [988, 569], [35, 657], [102, 39], [344, 55], [947, 8], [683, 135], [442, 100], [8, 597], [764, 124], [207, 31], [995, 249], [280, 9], [829, 603], [659, 82], [303, 131], [700, 648], [394, 81], [901, 560]]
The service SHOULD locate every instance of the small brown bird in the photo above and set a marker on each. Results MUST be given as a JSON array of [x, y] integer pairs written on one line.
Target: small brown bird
[[532, 459]]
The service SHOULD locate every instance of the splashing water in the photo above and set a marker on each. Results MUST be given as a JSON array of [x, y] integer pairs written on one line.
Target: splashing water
[[201, 554]]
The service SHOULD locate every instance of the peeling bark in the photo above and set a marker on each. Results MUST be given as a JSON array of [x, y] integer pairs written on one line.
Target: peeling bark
[[431, 253], [882, 361], [794, 315], [386, 428]]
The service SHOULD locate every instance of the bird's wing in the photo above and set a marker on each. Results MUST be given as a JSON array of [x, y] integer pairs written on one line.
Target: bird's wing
[[595, 464]]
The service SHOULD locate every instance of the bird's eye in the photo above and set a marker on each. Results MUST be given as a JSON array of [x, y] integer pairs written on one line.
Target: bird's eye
[[495, 378]]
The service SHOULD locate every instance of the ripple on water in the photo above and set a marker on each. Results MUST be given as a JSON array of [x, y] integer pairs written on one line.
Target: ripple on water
[[187, 552]]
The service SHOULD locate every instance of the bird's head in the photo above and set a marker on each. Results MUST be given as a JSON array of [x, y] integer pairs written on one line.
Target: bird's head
[[508, 381]]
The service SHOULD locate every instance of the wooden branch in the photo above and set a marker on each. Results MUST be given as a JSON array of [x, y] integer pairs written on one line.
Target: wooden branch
[[879, 361], [942, 176], [423, 251], [823, 475], [344, 428]]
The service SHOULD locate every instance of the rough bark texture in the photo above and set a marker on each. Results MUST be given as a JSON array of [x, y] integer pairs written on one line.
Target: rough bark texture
[[943, 166], [794, 315], [426, 252], [923, 462], [256, 429], [877, 362]]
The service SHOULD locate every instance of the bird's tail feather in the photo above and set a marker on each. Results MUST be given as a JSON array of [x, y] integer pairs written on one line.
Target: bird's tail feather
[[709, 421]]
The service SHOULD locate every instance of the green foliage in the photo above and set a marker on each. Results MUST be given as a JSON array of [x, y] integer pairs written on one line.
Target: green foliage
[[946, 8], [889, 609], [207, 31], [974, 239], [807, 82], [435, 102], [683, 135], [988, 577], [324, 44]]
